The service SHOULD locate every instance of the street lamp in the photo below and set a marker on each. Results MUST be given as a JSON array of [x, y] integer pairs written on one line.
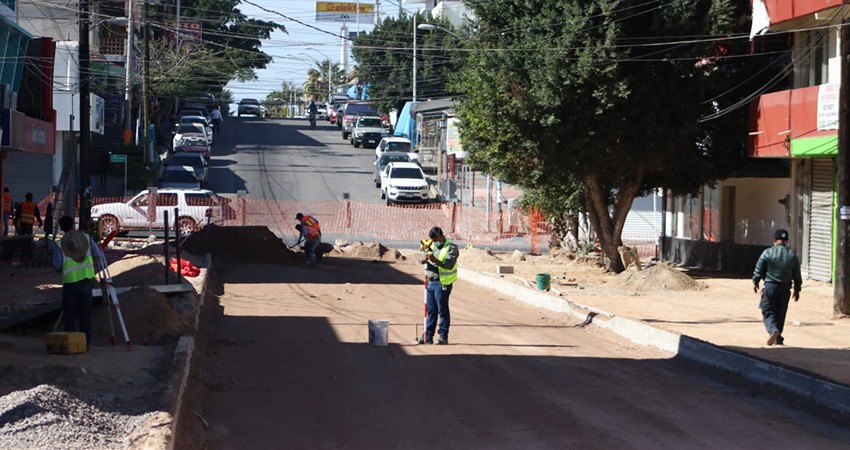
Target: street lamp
[[431, 27]]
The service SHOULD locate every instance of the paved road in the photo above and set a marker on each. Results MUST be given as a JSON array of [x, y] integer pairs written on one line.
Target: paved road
[[282, 159], [287, 366]]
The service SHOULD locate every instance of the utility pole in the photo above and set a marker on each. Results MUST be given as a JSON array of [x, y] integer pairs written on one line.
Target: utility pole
[[128, 72], [841, 280], [414, 58], [145, 93], [85, 117]]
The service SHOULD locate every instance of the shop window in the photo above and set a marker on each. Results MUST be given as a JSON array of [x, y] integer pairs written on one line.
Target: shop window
[[812, 51]]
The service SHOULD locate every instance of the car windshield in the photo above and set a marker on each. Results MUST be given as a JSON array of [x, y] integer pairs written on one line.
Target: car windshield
[[190, 128], [406, 172], [386, 159], [192, 142], [357, 108], [398, 147], [249, 101], [179, 176], [371, 123], [194, 162]]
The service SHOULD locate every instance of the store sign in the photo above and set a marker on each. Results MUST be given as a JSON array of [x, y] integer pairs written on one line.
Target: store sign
[[828, 106], [27, 134], [344, 12]]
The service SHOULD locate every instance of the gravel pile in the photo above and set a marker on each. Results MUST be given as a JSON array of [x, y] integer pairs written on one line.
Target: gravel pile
[[46, 417]]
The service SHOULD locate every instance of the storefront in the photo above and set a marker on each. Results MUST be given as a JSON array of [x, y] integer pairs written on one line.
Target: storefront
[[28, 150]]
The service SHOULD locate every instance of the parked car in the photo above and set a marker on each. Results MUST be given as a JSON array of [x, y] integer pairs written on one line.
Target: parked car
[[179, 177], [250, 106], [193, 160], [333, 114], [385, 159], [396, 144], [201, 120], [193, 206], [350, 113], [190, 129], [198, 111], [404, 182], [321, 111], [193, 144], [367, 131]]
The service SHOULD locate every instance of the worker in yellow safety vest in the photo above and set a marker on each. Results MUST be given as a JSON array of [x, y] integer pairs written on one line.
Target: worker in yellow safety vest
[[75, 258], [28, 215], [7, 210], [441, 271]]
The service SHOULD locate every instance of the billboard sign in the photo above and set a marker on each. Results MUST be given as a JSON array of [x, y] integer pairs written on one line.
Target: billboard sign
[[344, 12]]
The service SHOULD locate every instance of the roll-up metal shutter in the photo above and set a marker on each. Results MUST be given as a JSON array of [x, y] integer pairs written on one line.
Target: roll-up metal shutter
[[820, 228], [28, 172]]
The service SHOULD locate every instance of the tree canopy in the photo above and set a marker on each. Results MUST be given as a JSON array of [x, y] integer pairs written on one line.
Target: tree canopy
[[608, 94], [385, 60]]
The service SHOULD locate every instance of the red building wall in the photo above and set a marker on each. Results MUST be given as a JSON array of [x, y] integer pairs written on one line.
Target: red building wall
[[782, 10]]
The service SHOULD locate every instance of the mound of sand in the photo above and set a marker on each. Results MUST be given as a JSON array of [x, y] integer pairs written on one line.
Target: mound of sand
[[374, 250], [472, 254], [655, 278], [240, 244], [150, 317]]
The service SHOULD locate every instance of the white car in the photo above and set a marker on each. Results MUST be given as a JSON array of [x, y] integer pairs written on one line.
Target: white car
[[404, 182], [190, 129], [202, 120], [396, 144], [193, 207]]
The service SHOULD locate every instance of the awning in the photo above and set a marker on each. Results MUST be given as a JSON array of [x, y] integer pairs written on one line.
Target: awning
[[431, 106], [405, 127]]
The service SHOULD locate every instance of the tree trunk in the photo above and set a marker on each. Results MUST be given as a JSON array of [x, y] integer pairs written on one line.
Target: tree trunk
[[610, 225]]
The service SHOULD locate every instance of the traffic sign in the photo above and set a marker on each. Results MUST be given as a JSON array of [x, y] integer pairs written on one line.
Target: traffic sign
[[117, 158]]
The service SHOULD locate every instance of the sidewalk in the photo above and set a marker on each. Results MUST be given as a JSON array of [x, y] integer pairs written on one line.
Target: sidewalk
[[725, 323]]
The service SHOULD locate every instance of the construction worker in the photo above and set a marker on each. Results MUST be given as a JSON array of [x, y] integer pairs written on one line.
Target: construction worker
[[779, 267], [312, 238], [441, 270], [75, 258], [27, 216], [309, 221], [7, 210]]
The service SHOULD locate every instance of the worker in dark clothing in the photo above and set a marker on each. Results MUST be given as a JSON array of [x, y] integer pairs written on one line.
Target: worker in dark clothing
[[28, 215], [441, 270], [778, 266]]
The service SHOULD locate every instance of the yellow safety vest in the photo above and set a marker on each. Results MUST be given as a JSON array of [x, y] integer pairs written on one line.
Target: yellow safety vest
[[73, 271], [447, 276]]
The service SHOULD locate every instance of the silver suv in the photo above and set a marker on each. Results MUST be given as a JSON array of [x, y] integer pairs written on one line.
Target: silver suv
[[367, 131]]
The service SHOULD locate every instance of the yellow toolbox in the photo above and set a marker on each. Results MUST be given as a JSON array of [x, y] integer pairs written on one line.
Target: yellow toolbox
[[66, 342]]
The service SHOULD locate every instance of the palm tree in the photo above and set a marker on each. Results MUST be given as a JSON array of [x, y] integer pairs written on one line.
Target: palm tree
[[316, 84]]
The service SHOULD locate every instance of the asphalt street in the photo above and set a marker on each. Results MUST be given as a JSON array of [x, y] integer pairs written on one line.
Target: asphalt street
[[283, 159]]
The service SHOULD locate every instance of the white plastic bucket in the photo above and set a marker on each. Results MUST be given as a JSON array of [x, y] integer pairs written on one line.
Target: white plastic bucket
[[378, 331]]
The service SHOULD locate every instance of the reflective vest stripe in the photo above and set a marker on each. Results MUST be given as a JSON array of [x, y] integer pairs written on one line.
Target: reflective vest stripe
[[311, 233], [7, 202], [73, 271], [447, 276], [27, 213]]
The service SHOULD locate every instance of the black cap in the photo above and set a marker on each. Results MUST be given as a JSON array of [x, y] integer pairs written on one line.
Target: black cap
[[299, 216], [435, 232], [780, 235]]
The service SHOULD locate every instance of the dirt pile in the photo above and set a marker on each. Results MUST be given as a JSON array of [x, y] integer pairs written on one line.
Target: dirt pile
[[473, 255], [150, 317], [240, 244], [374, 250], [655, 278]]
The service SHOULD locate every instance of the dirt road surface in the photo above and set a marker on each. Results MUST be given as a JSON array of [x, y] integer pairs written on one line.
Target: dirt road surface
[[287, 366]]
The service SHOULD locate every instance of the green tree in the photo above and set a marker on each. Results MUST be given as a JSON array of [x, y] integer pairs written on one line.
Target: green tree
[[559, 91], [316, 83], [385, 60]]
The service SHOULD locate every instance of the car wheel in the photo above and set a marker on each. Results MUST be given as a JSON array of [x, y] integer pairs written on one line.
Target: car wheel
[[389, 203], [383, 195], [345, 135], [356, 144], [186, 225], [377, 184], [108, 223]]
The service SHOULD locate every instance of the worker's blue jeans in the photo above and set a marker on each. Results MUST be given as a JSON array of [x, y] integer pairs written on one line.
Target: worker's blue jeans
[[76, 307], [774, 306], [437, 297], [311, 247], [5, 224]]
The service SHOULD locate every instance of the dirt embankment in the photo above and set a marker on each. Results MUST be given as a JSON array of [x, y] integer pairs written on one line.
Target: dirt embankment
[[150, 317], [372, 250], [657, 277], [241, 244]]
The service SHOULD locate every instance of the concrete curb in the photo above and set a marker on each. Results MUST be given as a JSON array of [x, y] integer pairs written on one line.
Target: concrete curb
[[820, 391], [171, 401]]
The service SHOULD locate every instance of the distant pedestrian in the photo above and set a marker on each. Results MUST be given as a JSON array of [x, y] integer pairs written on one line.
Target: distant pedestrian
[[28, 215], [48, 221], [7, 210], [778, 266], [75, 258], [105, 168], [312, 239], [441, 270], [217, 119]]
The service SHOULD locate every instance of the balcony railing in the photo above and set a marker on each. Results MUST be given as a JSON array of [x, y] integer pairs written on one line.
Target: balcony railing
[[113, 46]]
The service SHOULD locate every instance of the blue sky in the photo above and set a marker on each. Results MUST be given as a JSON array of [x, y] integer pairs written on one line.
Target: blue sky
[[297, 51]]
